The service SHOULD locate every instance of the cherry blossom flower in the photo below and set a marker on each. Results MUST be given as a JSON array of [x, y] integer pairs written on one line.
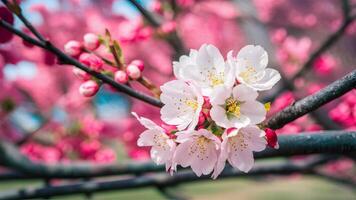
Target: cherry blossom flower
[[237, 148], [162, 147], [250, 65], [239, 109], [198, 149], [207, 68], [183, 103]]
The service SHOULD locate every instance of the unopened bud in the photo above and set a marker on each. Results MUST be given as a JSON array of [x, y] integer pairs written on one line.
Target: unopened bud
[[121, 77], [139, 64], [91, 41], [89, 88], [82, 75], [133, 71], [73, 48], [272, 140]]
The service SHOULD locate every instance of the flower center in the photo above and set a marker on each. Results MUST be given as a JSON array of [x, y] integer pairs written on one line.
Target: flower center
[[233, 107], [192, 103], [216, 79], [238, 142], [248, 74], [200, 147], [160, 141]]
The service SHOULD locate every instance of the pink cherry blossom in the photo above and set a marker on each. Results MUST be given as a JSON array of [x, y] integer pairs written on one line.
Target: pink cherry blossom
[[197, 149]]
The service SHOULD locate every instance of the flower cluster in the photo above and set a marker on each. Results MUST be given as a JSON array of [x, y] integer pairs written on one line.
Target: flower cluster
[[212, 111]]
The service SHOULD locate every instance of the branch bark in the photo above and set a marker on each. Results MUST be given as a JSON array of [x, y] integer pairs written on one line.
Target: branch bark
[[334, 142], [313, 102], [156, 180]]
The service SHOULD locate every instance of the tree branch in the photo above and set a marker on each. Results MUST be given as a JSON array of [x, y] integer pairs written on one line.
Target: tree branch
[[156, 180], [334, 142], [69, 60], [313, 102]]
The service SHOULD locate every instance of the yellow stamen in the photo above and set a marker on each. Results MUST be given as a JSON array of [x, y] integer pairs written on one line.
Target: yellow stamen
[[268, 106], [247, 75], [192, 103], [216, 79], [233, 106]]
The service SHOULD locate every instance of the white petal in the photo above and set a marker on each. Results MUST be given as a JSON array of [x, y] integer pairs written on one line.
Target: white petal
[[219, 95], [254, 110], [218, 114], [256, 141], [205, 163], [255, 55], [270, 78], [243, 93], [146, 122], [182, 156], [146, 138], [242, 159]]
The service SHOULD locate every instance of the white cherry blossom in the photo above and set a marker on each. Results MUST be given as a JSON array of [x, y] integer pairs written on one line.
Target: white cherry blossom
[[162, 146], [238, 146], [250, 68], [198, 149], [207, 68], [237, 109], [182, 104]]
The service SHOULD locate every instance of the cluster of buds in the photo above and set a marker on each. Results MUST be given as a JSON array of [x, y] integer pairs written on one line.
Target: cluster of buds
[[214, 111], [83, 51], [133, 71], [86, 53]]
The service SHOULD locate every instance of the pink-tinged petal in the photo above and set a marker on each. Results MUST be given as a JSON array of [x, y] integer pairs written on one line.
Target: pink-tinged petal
[[160, 155], [183, 156], [256, 141], [243, 93], [146, 122], [254, 110], [146, 138], [242, 159], [223, 155], [184, 136], [204, 164], [270, 78]]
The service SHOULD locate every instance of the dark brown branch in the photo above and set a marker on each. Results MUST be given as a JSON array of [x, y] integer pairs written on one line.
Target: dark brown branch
[[155, 180], [313, 102], [334, 142]]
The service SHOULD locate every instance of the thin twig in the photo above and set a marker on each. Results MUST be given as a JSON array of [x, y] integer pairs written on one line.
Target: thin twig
[[69, 60]]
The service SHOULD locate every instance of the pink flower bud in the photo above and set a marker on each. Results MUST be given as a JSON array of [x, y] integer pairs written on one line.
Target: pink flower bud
[[121, 77], [202, 118], [207, 103], [89, 88], [73, 48], [91, 41], [91, 60], [139, 64], [82, 75], [272, 140], [133, 71]]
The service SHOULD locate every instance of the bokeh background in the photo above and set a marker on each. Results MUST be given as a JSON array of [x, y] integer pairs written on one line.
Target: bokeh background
[[42, 111]]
